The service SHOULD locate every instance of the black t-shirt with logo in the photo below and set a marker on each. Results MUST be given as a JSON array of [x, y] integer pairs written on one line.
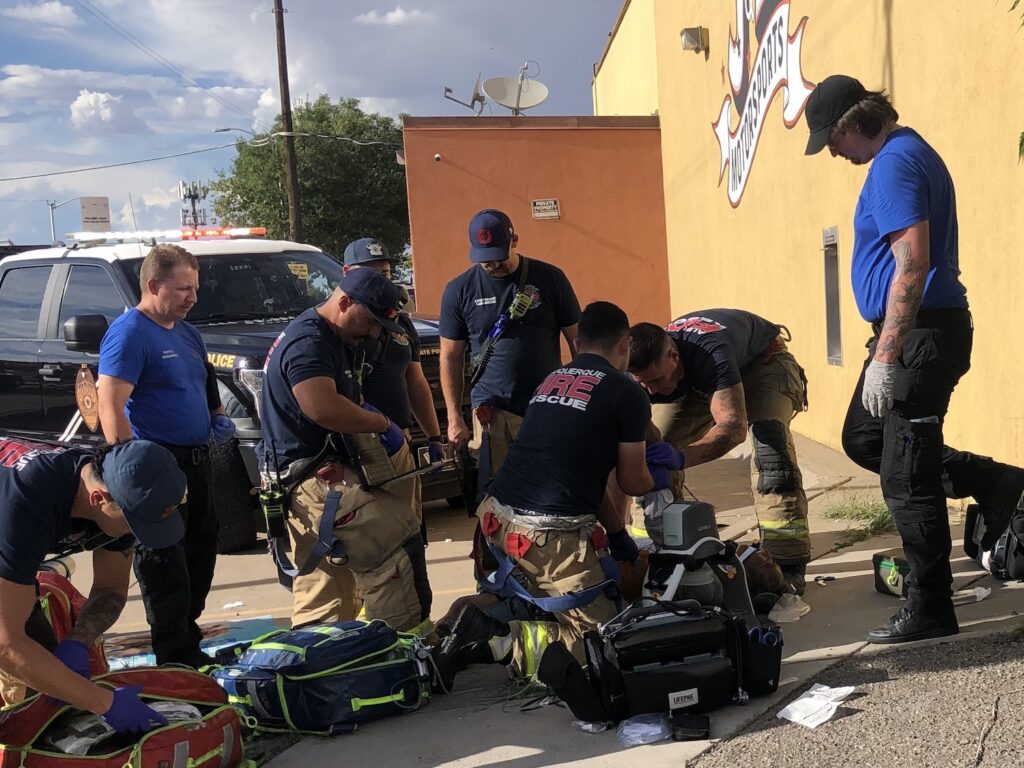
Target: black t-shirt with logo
[[716, 346], [38, 484], [384, 384], [306, 349], [530, 348], [569, 440]]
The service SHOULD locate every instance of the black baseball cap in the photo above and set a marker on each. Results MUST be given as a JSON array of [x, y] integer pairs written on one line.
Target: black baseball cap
[[830, 100], [366, 249], [379, 295], [490, 236]]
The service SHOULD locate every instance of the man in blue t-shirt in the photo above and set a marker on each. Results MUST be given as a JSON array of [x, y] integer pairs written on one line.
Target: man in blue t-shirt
[[153, 386], [906, 279], [537, 304], [585, 427], [395, 382], [713, 372], [311, 407], [58, 501]]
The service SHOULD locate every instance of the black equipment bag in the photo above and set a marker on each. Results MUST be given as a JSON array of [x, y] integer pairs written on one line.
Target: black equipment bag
[[1006, 560]]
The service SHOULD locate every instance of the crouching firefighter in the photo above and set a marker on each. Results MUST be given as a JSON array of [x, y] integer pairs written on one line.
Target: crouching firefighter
[[541, 516], [710, 374], [355, 545]]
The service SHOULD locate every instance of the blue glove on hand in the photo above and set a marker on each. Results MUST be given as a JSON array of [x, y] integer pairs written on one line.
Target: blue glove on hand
[[393, 438], [622, 547], [223, 428], [128, 714], [661, 475], [74, 655], [435, 449], [665, 455]]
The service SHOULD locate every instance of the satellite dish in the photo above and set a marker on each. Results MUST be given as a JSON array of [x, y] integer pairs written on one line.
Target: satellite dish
[[516, 93], [476, 101]]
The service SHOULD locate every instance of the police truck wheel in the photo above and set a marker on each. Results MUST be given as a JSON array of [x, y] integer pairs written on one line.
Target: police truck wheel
[[233, 504]]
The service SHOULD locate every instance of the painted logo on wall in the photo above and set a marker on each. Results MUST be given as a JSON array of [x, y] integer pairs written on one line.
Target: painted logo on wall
[[776, 66]]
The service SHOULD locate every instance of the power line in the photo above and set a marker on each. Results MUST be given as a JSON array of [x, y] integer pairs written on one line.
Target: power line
[[117, 165], [105, 19]]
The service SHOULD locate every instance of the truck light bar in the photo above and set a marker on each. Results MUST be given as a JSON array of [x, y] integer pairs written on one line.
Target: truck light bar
[[204, 233]]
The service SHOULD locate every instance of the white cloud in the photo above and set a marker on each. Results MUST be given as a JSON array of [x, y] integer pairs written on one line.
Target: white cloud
[[49, 15], [100, 112], [396, 18]]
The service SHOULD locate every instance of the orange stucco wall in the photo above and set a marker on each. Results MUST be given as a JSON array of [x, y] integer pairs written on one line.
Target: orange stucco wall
[[605, 172]]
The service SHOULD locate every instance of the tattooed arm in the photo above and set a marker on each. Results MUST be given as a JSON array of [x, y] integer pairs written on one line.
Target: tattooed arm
[[910, 248], [106, 598], [729, 411]]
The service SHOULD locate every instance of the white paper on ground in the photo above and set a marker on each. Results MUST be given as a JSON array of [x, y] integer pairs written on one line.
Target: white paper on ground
[[789, 608], [816, 706]]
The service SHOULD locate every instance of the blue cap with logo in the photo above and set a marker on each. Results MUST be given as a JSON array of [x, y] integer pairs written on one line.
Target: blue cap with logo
[[366, 249], [379, 295], [490, 236], [146, 482]]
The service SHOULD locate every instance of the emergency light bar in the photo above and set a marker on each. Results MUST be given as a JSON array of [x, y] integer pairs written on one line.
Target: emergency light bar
[[203, 233]]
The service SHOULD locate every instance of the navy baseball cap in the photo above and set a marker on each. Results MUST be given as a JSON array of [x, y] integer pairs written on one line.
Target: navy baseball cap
[[490, 236], [829, 101], [366, 249], [379, 295], [145, 481]]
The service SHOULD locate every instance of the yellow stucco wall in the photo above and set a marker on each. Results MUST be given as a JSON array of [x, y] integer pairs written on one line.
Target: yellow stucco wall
[[629, 69], [955, 71]]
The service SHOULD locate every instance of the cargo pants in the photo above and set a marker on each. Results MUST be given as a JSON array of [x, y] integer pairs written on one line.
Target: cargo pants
[[386, 572], [553, 562], [774, 390]]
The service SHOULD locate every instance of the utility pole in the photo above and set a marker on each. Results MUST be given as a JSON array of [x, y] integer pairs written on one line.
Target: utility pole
[[291, 172]]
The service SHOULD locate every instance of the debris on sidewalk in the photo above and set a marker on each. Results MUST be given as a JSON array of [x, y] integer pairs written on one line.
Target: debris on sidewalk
[[816, 706], [644, 729], [232, 606]]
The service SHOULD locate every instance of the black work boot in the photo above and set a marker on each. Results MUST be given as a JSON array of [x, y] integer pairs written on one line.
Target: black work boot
[[472, 626], [1000, 504], [910, 624]]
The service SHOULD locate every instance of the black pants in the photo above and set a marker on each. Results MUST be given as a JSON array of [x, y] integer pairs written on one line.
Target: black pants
[[918, 471], [176, 580]]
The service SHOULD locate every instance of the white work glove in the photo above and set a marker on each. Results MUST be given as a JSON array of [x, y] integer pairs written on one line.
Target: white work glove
[[879, 383]]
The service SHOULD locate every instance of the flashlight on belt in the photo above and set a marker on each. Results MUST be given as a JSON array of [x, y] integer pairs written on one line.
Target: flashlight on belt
[[272, 502]]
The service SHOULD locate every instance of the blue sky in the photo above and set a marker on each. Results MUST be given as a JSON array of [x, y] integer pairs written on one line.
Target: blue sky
[[75, 93]]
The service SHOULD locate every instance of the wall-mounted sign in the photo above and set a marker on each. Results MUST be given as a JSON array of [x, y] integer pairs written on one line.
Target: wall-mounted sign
[[776, 66], [546, 208], [95, 214]]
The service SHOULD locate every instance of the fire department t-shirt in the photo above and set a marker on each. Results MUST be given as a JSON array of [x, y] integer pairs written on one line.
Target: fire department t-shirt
[[306, 349], [715, 347], [384, 384], [37, 487], [569, 440], [168, 368], [530, 348]]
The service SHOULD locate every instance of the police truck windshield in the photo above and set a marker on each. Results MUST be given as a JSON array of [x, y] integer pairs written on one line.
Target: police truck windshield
[[256, 286]]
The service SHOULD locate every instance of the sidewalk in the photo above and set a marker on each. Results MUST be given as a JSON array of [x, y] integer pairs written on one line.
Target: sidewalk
[[481, 725]]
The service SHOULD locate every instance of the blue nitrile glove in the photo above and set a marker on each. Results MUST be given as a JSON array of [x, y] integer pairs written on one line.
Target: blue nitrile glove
[[393, 438], [661, 475], [74, 655], [128, 714], [223, 428], [622, 547], [435, 449], [665, 455]]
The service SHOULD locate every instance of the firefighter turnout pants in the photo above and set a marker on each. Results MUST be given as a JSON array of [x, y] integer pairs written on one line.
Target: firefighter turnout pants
[[554, 562], [386, 572]]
